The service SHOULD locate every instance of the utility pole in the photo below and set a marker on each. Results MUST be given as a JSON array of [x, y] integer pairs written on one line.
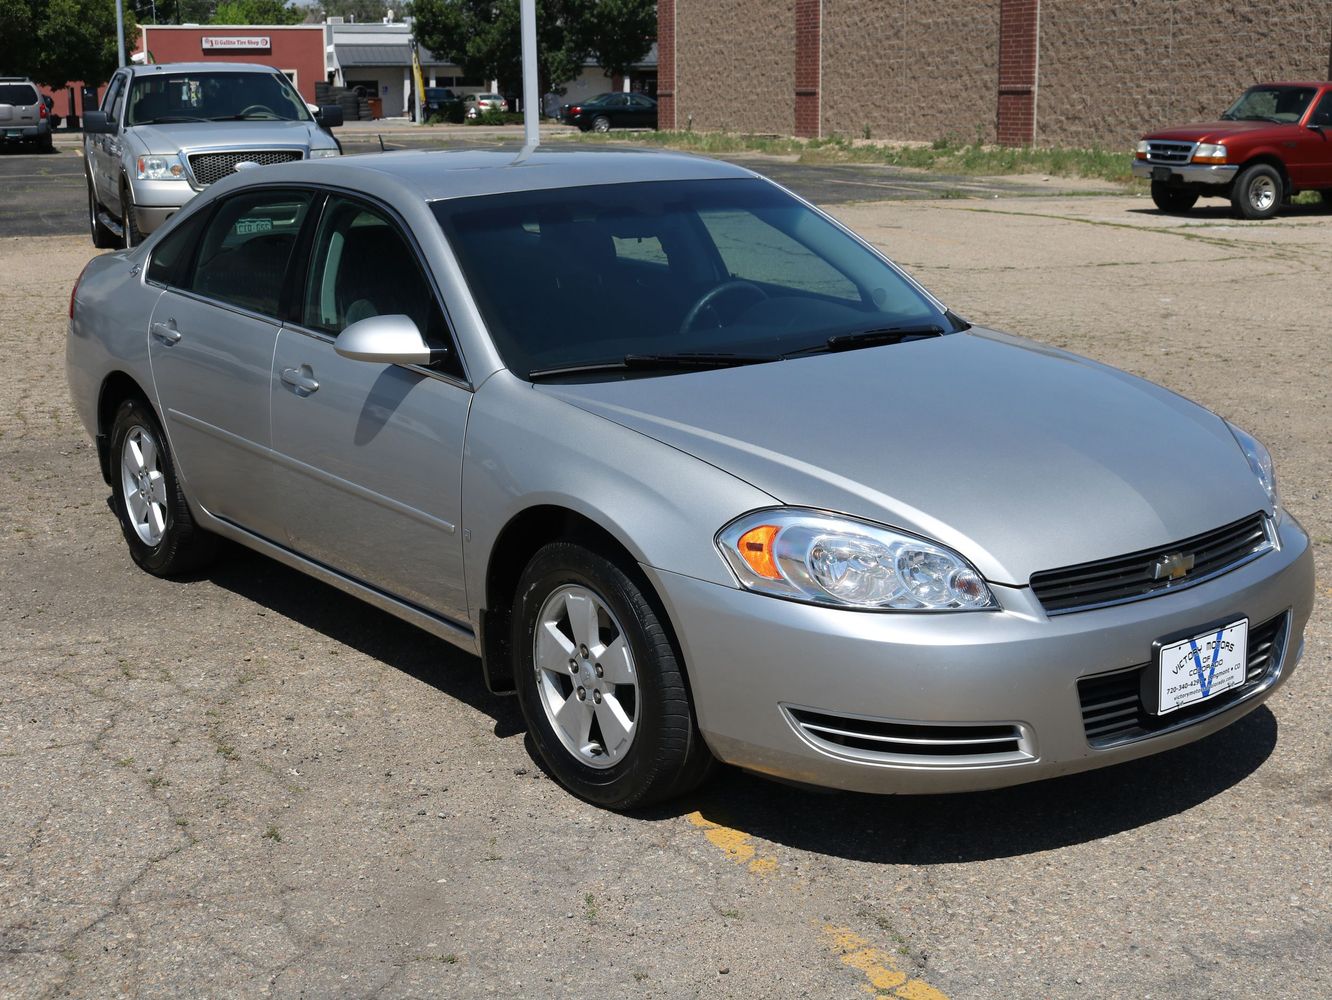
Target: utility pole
[[120, 28], [531, 103]]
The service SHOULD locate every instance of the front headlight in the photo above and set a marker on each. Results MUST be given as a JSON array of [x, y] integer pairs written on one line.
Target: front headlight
[[1260, 461], [160, 168], [1142, 150], [1209, 152], [319, 154], [822, 558]]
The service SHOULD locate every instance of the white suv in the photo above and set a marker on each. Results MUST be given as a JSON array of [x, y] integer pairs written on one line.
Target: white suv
[[24, 116], [166, 131]]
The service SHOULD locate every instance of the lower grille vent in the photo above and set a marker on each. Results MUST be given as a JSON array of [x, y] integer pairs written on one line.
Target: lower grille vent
[[915, 743]]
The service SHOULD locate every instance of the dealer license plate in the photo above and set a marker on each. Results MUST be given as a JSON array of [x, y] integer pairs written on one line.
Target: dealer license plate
[[1203, 667], [1160, 173]]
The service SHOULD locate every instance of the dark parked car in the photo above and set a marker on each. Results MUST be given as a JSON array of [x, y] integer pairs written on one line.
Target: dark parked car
[[441, 102], [607, 111]]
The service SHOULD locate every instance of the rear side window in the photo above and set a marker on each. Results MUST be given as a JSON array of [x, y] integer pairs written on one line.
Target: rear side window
[[18, 93], [246, 247], [174, 251]]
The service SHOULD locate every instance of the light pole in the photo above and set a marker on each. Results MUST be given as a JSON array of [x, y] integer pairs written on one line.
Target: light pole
[[120, 28], [531, 105]]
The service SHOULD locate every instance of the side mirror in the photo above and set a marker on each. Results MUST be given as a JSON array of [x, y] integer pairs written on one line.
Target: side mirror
[[388, 340], [98, 122], [329, 115]]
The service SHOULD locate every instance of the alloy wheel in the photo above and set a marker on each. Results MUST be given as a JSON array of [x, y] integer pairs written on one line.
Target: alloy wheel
[[144, 486]]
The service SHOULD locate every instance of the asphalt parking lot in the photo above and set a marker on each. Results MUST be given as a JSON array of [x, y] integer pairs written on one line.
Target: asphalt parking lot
[[248, 784]]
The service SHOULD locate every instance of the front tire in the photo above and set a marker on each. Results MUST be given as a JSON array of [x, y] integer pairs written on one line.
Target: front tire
[[128, 225], [601, 124], [600, 684], [1258, 192], [154, 516], [1173, 200], [102, 237]]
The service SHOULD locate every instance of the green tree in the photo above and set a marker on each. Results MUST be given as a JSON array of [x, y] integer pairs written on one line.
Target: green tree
[[482, 36], [62, 40], [15, 36], [257, 12], [621, 32]]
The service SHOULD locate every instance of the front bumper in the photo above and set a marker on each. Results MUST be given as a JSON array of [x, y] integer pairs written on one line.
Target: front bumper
[[1212, 175], [156, 201], [753, 659]]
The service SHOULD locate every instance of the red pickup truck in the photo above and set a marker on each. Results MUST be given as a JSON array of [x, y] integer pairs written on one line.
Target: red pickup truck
[[1272, 143]]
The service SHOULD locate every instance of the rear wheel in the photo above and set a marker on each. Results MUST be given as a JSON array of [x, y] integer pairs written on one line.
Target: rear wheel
[[599, 682], [102, 237], [154, 516], [1173, 199], [601, 124], [1258, 192]]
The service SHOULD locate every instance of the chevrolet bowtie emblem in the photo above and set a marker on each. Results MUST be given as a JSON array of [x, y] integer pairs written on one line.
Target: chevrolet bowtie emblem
[[1172, 567]]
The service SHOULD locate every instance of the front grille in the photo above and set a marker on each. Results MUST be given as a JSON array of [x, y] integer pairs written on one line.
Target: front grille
[[912, 743], [1169, 152], [210, 167], [1133, 577], [1112, 708]]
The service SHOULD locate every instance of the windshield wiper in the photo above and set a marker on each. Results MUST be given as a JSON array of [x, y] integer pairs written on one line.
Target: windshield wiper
[[871, 338], [249, 118], [1261, 118], [164, 119], [684, 361]]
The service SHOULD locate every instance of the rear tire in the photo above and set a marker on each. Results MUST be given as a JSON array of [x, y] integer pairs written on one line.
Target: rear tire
[[600, 684], [1173, 200], [1258, 192], [154, 515], [102, 237]]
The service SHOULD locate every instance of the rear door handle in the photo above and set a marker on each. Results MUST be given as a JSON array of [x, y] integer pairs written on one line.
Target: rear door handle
[[166, 332], [301, 379]]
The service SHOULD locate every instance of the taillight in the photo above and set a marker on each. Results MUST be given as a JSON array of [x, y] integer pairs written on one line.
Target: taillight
[[74, 291], [41, 109], [575, 110]]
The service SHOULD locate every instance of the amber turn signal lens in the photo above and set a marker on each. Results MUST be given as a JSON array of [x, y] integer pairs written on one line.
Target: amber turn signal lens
[[755, 547]]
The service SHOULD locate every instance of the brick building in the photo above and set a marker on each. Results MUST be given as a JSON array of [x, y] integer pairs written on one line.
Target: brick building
[[1048, 72]]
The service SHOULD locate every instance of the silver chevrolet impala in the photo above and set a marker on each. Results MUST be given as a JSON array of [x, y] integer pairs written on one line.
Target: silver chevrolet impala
[[699, 474]]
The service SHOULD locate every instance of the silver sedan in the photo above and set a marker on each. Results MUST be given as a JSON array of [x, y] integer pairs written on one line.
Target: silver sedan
[[699, 474]]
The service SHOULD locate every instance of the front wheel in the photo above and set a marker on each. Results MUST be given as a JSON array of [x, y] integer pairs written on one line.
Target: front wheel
[[102, 237], [600, 684], [154, 516], [601, 124], [1174, 200], [129, 225], [1258, 192]]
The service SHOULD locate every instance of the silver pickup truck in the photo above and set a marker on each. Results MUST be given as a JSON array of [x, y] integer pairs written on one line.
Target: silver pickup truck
[[166, 131]]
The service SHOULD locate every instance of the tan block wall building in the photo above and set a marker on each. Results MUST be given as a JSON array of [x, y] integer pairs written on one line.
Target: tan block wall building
[[1050, 72]]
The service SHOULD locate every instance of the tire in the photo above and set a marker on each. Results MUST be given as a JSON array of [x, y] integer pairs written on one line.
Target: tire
[[47, 145], [600, 124], [1326, 195], [102, 237], [1258, 192], [128, 226], [162, 536], [1174, 200], [572, 674]]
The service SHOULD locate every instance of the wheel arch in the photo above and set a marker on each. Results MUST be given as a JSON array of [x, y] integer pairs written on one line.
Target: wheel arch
[[1272, 160], [117, 387]]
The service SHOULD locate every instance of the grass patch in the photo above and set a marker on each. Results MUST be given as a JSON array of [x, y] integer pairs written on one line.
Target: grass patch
[[946, 156], [273, 834]]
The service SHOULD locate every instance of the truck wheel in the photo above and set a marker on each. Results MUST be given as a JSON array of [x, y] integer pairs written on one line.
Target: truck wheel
[[128, 225], [1173, 200], [102, 238], [1258, 192], [1327, 199]]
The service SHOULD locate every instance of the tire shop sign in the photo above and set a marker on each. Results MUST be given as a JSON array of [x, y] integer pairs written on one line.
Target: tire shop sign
[[232, 43]]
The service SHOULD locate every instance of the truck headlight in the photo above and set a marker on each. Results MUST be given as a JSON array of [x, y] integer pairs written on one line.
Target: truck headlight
[[1209, 152], [819, 558], [160, 168], [1142, 150]]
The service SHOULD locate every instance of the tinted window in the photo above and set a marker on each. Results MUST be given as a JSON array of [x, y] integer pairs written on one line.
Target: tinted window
[[586, 275], [246, 247], [112, 92], [173, 253], [17, 93], [362, 266], [1323, 113]]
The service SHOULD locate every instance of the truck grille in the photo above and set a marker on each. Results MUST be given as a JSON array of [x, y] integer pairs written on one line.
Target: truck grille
[[1112, 709], [912, 743], [1169, 152], [210, 167], [1133, 577]]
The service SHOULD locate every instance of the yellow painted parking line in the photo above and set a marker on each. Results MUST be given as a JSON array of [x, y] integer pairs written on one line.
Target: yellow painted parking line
[[882, 976]]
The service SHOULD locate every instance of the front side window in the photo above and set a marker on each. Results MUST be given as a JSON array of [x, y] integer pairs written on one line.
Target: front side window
[[214, 96], [246, 247], [362, 266], [588, 275], [1322, 115]]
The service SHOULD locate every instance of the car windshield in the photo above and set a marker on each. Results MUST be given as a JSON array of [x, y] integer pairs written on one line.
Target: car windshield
[[208, 96], [1271, 104], [588, 276]]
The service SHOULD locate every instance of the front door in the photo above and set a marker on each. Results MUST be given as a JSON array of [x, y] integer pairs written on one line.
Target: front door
[[1316, 169], [370, 455], [211, 340]]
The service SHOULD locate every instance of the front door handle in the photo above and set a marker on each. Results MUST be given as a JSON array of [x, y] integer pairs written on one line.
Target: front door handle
[[301, 379], [166, 332]]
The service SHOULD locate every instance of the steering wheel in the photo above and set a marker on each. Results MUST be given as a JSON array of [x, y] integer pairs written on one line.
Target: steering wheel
[[726, 287], [258, 107]]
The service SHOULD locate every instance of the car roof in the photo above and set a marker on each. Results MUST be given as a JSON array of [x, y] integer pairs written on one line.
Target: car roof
[[201, 67], [435, 175]]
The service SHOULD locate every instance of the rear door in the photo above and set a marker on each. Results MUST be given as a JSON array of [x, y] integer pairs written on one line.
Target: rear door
[[211, 341], [368, 455]]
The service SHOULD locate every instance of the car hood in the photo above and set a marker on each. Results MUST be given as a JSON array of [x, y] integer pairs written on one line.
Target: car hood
[[1021, 458], [1212, 131], [232, 135]]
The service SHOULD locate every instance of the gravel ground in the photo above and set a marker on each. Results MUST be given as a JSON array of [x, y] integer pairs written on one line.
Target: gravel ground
[[250, 784]]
